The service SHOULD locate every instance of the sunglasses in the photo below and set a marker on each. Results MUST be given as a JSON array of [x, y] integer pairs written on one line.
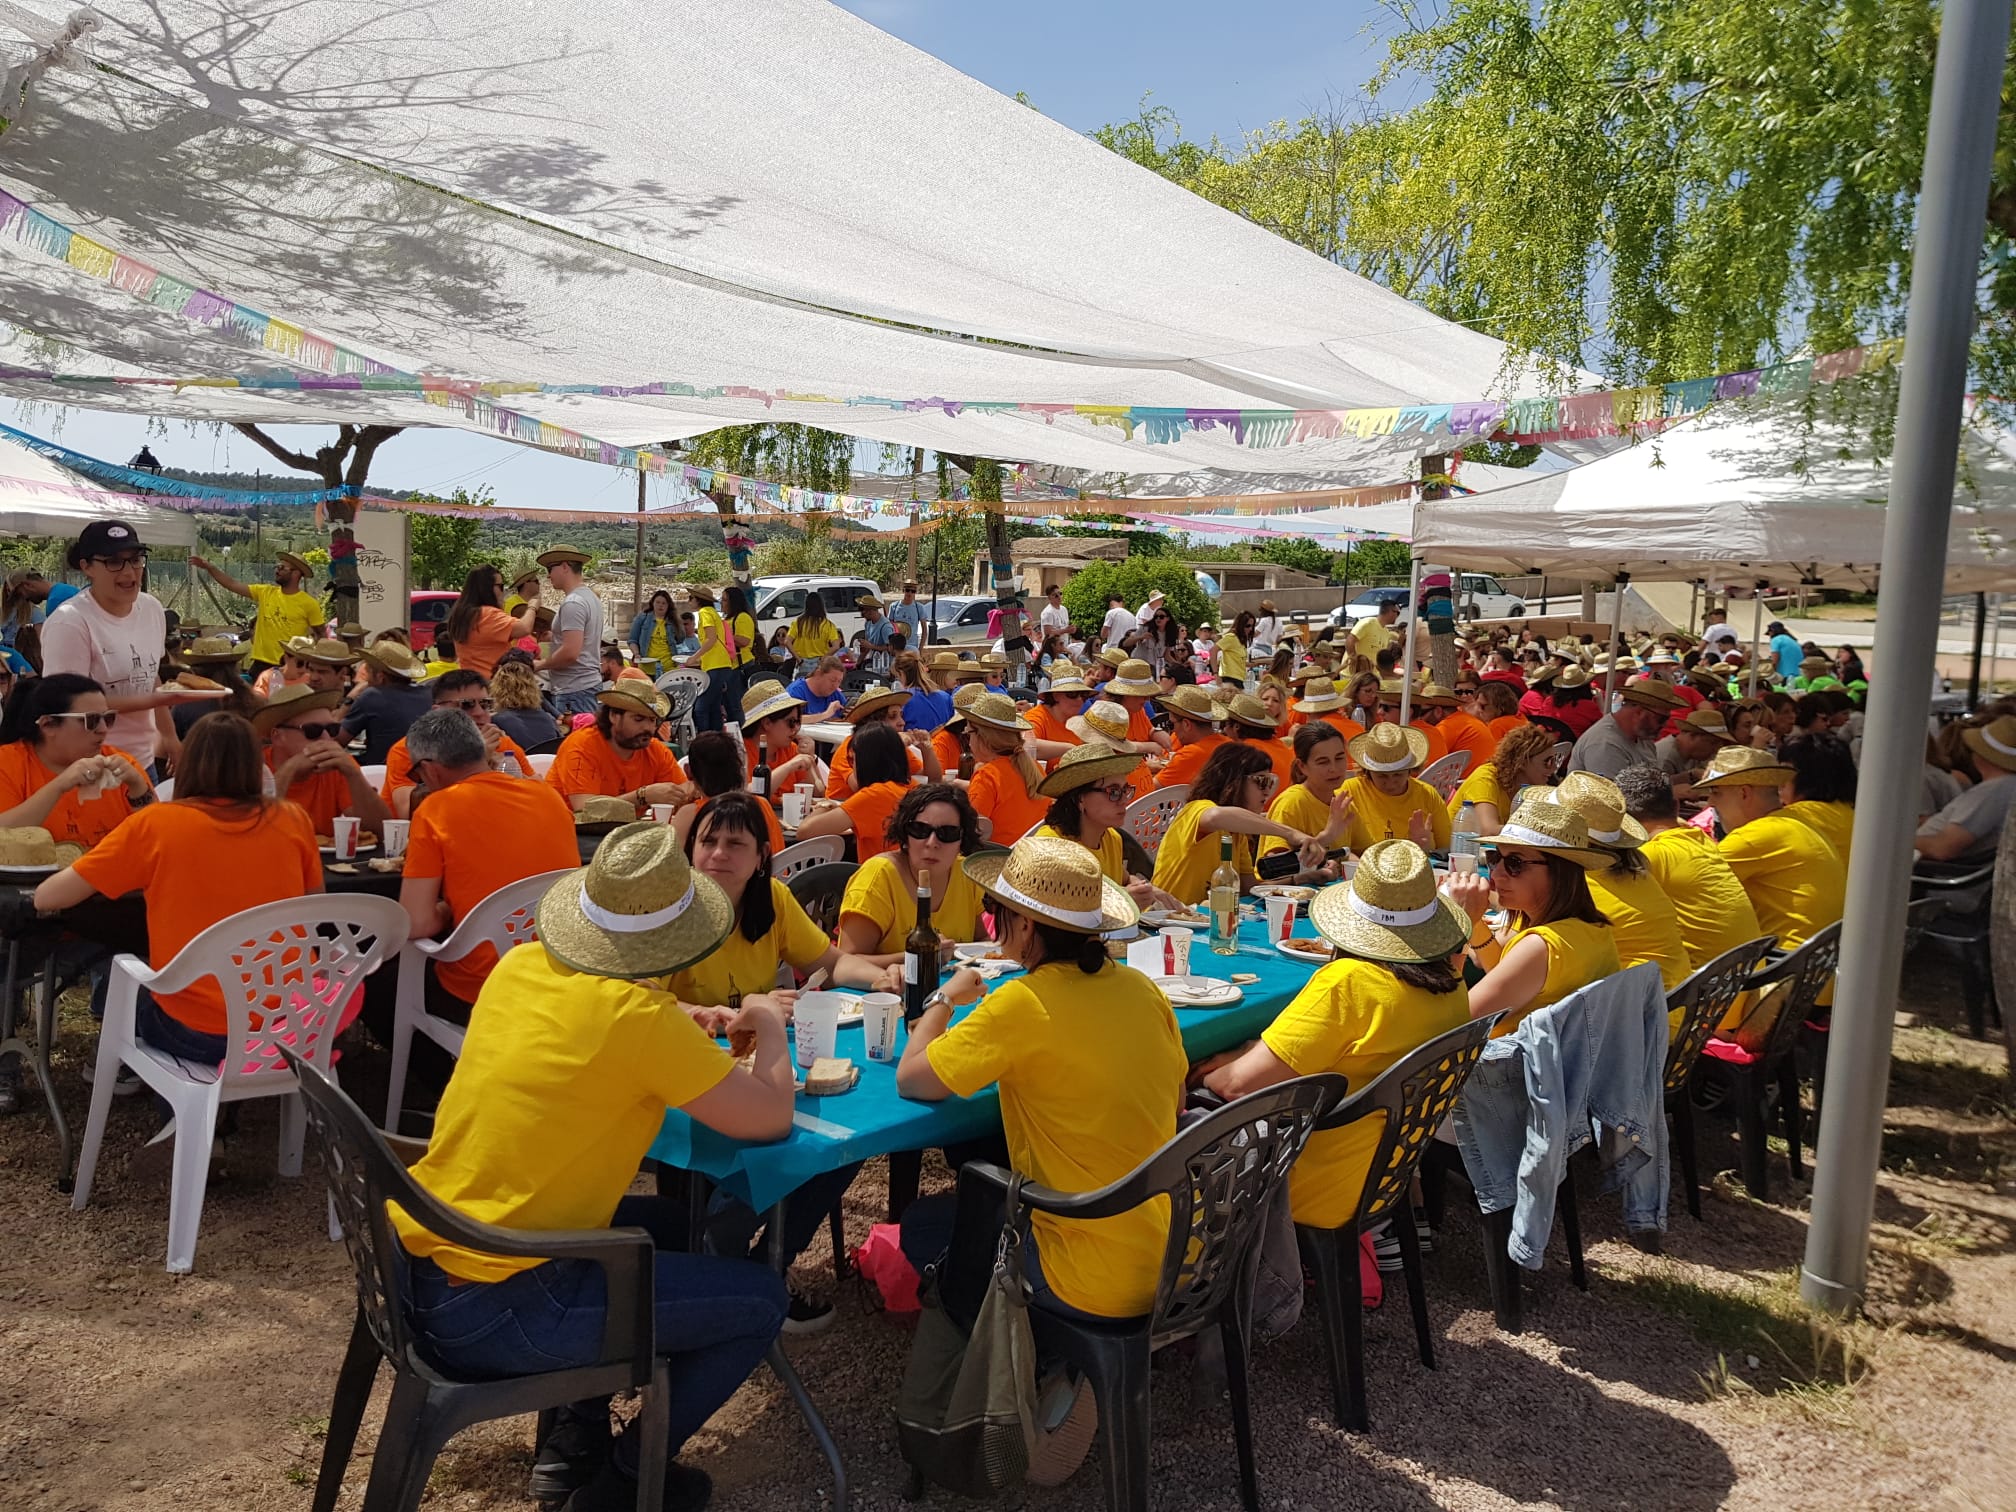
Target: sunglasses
[[91, 721], [1386, 708], [316, 731], [1509, 865], [469, 705], [944, 834]]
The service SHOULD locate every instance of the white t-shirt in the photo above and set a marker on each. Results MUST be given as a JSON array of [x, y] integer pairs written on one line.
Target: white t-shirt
[[1717, 634], [1054, 617], [121, 655], [1266, 635], [1117, 626]]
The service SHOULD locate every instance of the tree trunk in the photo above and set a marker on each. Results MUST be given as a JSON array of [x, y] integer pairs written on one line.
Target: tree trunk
[[986, 475], [345, 463]]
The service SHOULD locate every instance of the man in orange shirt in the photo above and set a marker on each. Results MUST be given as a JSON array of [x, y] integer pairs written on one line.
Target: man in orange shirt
[[1247, 720], [1049, 735], [880, 705], [1459, 731], [949, 739], [1390, 691], [1131, 687], [468, 692], [620, 755], [310, 764], [1192, 721], [1321, 700]]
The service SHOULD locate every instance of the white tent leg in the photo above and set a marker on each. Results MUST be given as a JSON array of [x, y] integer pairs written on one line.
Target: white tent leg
[[1756, 637], [1413, 624], [1617, 585]]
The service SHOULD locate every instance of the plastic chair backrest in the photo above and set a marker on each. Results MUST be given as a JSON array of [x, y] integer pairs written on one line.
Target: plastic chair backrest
[[1446, 775], [374, 777], [1412, 1097], [819, 890], [293, 966], [857, 679], [1707, 995], [1809, 969], [681, 686], [506, 918], [164, 790], [816, 851], [1135, 855], [542, 761], [1147, 817], [1563, 749]]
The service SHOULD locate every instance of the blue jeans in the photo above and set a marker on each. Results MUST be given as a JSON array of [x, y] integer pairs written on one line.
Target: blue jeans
[[153, 1025], [721, 698], [716, 1319], [583, 701]]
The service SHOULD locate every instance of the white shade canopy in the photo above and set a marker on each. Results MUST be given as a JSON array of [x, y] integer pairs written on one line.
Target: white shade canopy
[[38, 498]]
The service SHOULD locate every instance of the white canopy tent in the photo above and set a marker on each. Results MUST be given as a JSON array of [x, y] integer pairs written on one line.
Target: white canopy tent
[[771, 193], [38, 498]]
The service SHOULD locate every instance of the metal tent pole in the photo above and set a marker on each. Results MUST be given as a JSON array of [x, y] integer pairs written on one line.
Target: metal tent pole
[[1959, 145], [1413, 624], [1756, 637], [1617, 585], [1980, 635]]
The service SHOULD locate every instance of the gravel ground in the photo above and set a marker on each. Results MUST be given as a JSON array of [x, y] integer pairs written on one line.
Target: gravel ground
[[1677, 1383]]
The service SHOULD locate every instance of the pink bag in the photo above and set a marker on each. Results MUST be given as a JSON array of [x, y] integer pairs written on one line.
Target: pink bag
[[1371, 1285], [883, 1262]]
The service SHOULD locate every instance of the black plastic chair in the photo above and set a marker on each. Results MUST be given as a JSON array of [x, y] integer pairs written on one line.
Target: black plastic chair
[[1135, 854], [1961, 925], [1751, 1073], [1412, 1096], [427, 1407], [1706, 996], [1219, 1174], [820, 889]]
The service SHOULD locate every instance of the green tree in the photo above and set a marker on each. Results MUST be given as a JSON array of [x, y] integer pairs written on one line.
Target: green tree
[[1301, 553], [1370, 559], [443, 548], [1134, 579]]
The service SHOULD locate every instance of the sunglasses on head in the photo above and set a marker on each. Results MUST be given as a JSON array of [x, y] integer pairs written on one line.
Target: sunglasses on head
[[944, 834], [91, 721], [318, 731]]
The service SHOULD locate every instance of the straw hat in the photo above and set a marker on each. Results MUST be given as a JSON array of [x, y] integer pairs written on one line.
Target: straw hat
[[1307, 672], [1101, 721], [1113, 656], [869, 601], [637, 910], [292, 699], [1391, 687], [1435, 696], [1653, 694], [994, 661], [1662, 659], [1709, 722], [1192, 701], [531, 575], [1994, 742], [700, 593], [298, 645], [390, 657], [1053, 880], [874, 698], [1322, 697], [996, 711], [210, 649], [1221, 693], [1069, 683], [1087, 766], [330, 653], [299, 564], [1743, 766], [1135, 679], [1390, 910], [972, 670], [1389, 748], [636, 695], [350, 630], [1249, 711], [573, 556], [542, 620], [1539, 824], [962, 700], [945, 661], [1601, 804], [1572, 676], [762, 699], [1541, 676], [1811, 664]]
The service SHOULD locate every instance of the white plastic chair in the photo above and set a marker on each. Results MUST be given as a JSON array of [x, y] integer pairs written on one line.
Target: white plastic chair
[[375, 776], [1446, 775], [793, 859], [164, 790], [543, 763], [1147, 818], [502, 920], [295, 964], [1563, 749]]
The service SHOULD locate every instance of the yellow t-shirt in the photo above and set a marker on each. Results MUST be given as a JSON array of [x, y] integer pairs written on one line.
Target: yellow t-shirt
[[1298, 808], [1112, 854], [1355, 1018], [1370, 637], [1231, 658], [1376, 817], [1578, 953], [877, 892], [1186, 859], [562, 1085], [281, 617], [1795, 879], [1714, 912], [809, 644], [1091, 1074], [1834, 822], [1482, 786], [714, 658], [659, 649], [740, 964], [1644, 924]]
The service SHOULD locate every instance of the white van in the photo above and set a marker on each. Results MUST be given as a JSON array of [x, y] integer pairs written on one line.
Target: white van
[[780, 600]]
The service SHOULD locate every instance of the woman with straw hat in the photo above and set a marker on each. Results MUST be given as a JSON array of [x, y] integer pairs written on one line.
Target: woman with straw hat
[[573, 1056], [932, 828], [1131, 687], [1193, 722], [1320, 700], [1795, 879], [1643, 920], [1006, 778], [1524, 758], [879, 705], [1089, 793], [1062, 701], [1387, 801], [1556, 940], [1090, 1066], [1106, 723], [1395, 985], [1230, 798], [949, 740], [770, 721], [1250, 721], [1318, 795]]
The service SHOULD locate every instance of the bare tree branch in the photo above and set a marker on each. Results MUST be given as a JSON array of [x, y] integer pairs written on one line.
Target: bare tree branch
[[293, 459], [366, 442]]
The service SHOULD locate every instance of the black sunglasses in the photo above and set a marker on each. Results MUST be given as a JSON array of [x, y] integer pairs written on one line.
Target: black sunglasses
[[469, 705], [318, 731], [1511, 866], [945, 834]]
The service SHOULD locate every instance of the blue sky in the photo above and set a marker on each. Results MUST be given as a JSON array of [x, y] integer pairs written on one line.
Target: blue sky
[[1222, 69]]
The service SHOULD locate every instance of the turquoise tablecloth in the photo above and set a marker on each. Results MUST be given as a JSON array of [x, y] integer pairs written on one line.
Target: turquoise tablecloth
[[830, 1132]]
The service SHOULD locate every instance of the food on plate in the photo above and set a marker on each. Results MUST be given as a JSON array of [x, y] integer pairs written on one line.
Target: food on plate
[[387, 863], [195, 682], [829, 1074]]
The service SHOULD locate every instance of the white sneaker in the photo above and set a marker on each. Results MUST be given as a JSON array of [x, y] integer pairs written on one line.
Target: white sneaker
[[125, 1084]]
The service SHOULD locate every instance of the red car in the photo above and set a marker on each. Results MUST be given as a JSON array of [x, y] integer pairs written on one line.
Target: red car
[[429, 607]]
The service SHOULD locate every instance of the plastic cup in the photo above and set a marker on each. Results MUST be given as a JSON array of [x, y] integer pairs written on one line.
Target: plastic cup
[[1179, 951], [346, 837], [881, 1013], [1148, 955], [393, 833], [816, 1026], [1280, 916], [661, 813], [794, 810], [1463, 864]]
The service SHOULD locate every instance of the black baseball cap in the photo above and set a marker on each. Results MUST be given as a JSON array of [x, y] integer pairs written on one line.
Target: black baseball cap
[[103, 538]]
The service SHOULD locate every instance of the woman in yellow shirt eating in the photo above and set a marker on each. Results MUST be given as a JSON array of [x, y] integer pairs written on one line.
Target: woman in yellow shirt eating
[[1387, 801], [934, 826], [1322, 770], [1230, 798], [1524, 758]]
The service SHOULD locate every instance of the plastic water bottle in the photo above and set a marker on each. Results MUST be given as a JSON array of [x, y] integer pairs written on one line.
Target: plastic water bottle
[[1463, 838]]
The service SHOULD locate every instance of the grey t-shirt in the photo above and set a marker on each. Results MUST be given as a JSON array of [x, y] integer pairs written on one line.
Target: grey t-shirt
[[1980, 811], [1606, 750], [580, 610]]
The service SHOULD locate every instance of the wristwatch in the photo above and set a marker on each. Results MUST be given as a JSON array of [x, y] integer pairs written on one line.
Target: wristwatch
[[936, 999]]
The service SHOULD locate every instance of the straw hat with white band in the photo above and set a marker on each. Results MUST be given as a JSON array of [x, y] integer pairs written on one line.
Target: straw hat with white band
[[1101, 721], [1192, 702], [1308, 672], [1994, 742], [962, 700], [291, 699], [1113, 656], [1390, 910], [872, 699], [1743, 766], [996, 711], [1070, 683], [572, 556], [1249, 711], [1709, 722], [1087, 766], [1538, 824], [1054, 882], [764, 699], [393, 659], [1321, 697], [636, 695], [1135, 679], [1601, 804], [1389, 748], [1434, 696], [944, 661], [637, 910], [329, 653]]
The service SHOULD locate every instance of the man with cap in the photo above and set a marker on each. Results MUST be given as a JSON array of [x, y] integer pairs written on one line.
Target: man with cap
[[1968, 828], [1193, 723], [572, 1058], [393, 696], [1628, 736], [873, 636], [914, 618], [468, 693], [284, 610], [310, 764], [1692, 745], [620, 755], [570, 665], [1795, 879]]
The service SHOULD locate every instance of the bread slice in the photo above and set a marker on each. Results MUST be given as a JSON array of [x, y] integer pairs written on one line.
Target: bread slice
[[829, 1074], [197, 683]]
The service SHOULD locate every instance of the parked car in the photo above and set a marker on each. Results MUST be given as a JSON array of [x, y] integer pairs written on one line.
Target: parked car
[[1367, 604], [780, 600], [427, 609], [1479, 596], [962, 619]]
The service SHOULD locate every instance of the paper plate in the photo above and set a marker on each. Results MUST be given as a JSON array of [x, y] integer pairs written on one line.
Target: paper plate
[[1293, 890], [1199, 992], [192, 693], [1302, 948], [977, 950], [328, 847], [1161, 918]]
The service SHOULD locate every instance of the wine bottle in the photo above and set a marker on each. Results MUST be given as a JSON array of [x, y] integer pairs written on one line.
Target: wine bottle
[[966, 759], [920, 960], [759, 780], [1225, 901]]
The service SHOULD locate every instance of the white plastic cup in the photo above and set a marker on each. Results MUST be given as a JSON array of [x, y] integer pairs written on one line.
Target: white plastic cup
[[393, 832], [1179, 950], [816, 1026], [794, 810], [346, 837], [1280, 916], [661, 813], [1463, 864], [1148, 955], [881, 1013]]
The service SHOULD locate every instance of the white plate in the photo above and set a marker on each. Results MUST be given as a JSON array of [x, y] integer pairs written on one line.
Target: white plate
[[851, 1016], [1159, 918], [1199, 992], [364, 843], [1293, 890], [1315, 952], [181, 692], [977, 950]]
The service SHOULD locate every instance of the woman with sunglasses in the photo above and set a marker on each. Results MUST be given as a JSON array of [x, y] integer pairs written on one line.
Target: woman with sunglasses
[[1230, 797], [1555, 940], [482, 629], [1089, 792], [932, 828], [771, 719], [882, 778], [57, 769]]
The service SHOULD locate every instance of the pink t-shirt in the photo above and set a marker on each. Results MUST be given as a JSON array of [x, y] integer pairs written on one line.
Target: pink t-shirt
[[122, 654]]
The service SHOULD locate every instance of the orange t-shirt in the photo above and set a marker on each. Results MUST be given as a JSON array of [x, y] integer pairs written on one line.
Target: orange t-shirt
[[1438, 744], [589, 763], [1283, 757], [320, 795], [840, 771], [487, 644], [997, 791], [1502, 726], [483, 833], [1044, 725], [1342, 723], [1462, 732], [777, 841], [1186, 761], [196, 863], [945, 742], [1139, 725], [870, 809], [399, 764], [22, 776]]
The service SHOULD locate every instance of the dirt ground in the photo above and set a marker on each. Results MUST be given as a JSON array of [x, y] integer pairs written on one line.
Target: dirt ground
[[1678, 1383]]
